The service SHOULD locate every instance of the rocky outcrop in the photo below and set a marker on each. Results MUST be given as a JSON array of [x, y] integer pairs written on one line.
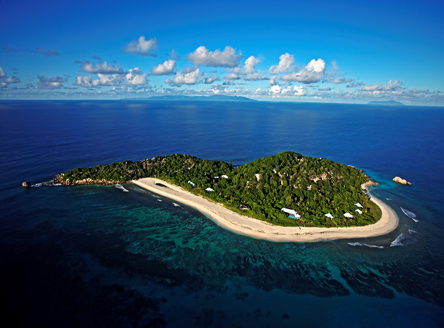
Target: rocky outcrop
[[59, 181], [26, 184], [401, 181]]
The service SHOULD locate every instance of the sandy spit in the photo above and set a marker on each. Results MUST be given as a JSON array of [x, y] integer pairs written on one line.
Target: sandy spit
[[262, 230]]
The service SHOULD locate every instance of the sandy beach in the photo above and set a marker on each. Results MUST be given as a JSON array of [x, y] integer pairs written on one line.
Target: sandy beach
[[262, 230]]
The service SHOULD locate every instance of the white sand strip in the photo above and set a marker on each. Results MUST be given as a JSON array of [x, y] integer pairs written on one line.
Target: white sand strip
[[262, 230]]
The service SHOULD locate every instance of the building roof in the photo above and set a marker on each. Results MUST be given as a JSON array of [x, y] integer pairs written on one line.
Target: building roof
[[209, 189], [358, 205], [329, 215], [348, 215]]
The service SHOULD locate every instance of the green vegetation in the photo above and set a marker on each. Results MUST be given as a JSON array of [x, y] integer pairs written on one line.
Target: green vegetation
[[311, 186]]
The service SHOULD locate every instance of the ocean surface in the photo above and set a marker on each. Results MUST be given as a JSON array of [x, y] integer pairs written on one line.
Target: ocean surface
[[97, 256]]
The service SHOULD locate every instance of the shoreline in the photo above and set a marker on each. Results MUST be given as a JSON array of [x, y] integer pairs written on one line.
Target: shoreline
[[262, 230]]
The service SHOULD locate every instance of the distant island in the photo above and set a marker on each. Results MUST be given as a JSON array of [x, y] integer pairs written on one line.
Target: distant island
[[287, 189], [386, 103], [195, 98]]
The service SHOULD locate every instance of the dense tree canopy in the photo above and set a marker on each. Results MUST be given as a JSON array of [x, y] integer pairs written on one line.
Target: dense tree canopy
[[311, 186]]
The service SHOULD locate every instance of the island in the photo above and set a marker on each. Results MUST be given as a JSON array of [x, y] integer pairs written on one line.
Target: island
[[386, 103], [286, 197]]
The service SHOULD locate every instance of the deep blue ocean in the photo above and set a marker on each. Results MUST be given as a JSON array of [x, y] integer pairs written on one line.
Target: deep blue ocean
[[96, 256]]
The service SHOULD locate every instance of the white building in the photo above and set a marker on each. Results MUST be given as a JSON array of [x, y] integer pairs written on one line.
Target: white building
[[224, 176], [209, 189], [191, 183], [348, 215], [359, 211], [329, 216], [291, 212], [358, 205]]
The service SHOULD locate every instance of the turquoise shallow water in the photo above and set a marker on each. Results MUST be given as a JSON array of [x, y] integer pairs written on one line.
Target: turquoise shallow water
[[99, 256]]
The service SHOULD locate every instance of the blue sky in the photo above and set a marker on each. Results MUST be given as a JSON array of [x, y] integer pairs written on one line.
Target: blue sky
[[329, 51]]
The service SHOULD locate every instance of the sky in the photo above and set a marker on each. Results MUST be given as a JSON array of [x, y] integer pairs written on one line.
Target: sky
[[307, 51]]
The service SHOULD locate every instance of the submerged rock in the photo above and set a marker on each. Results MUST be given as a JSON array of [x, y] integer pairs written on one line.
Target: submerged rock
[[26, 184], [401, 181]]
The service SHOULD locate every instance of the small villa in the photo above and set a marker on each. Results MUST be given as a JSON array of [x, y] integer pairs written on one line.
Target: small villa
[[191, 183], [359, 211], [329, 216], [209, 189], [348, 215], [358, 205], [291, 213], [216, 177], [243, 207], [224, 176]]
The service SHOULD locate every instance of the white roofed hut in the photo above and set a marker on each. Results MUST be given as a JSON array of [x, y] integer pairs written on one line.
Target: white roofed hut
[[348, 215], [291, 213], [359, 211], [329, 216], [358, 205], [191, 183], [209, 189], [224, 176]]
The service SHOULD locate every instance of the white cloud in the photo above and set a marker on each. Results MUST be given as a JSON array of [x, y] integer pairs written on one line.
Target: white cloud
[[339, 81], [393, 86], [184, 78], [211, 79], [255, 77], [174, 55], [334, 66], [136, 77], [250, 64], [354, 85], [48, 53], [2, 72], [372, 87], [164, 69], [275, 89], [83, 81], [226, 58], [285, 62], [325, 89], [142, 47], [49, 82], [312, 72], [108, 80], [9, 80], [299, 90], [273, 81], [103, 68], [232, 76]]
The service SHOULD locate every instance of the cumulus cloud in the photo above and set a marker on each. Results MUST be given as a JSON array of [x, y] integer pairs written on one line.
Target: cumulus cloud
[[142, 47], [211, 79], [184, 78], [232, 76], [226, 58], [354, 85], [299, 90], [250, 64], [273, 81], [286, 61], [255, 77], [103, 68], [5, 81], [83, 81], [228, 83], [48, 53], [49, 83], [108, 80], [372, 87], [312, 72], [136, 77], [275, 89], [164, 69]]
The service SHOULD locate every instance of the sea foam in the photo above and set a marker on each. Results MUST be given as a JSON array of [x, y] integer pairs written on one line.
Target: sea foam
[[118, 186], [409, 214], [403, 240]]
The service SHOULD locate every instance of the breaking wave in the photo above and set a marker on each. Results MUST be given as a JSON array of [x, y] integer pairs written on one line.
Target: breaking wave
[[410, 214], [118, 186], [176, 204], [403, 240], [366, 245]]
